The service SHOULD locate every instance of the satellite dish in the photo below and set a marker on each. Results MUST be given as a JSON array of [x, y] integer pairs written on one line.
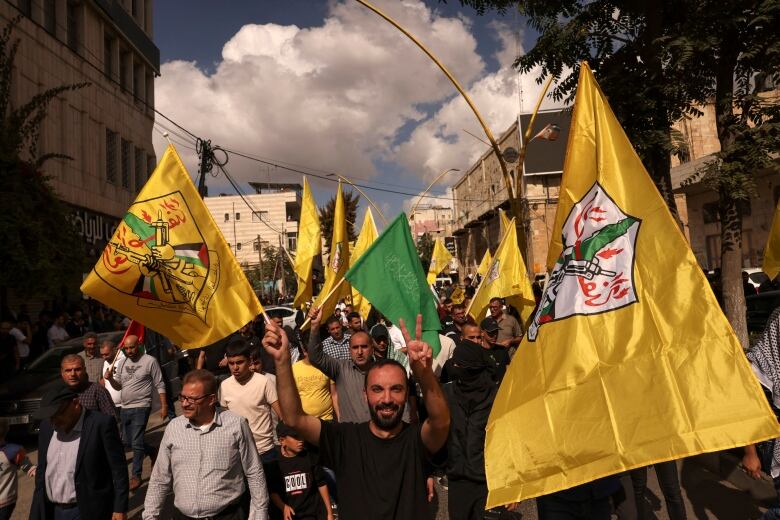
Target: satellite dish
[[511, 155]]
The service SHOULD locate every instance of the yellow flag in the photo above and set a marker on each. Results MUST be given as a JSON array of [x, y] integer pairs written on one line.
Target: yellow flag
[[309, 246], [440, 260], [629, 360], [368, 234], [338, 261], [771, 264], [168, 267], [457, 295], [506, 278], [484, 265], [504, 222]]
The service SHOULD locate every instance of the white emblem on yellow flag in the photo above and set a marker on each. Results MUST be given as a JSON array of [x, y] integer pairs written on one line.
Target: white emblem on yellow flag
[[629, 360]]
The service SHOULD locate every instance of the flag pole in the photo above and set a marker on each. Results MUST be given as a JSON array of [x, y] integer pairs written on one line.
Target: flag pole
[[327, 297]]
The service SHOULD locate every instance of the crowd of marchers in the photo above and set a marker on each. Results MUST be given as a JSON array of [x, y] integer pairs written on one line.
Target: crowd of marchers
[[351, 418]]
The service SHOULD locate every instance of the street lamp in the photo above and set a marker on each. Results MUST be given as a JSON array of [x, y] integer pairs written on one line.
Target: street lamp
[[379, 212], [434, 181]]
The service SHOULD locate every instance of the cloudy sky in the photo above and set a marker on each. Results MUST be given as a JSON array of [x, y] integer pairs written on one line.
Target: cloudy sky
[[328, 86]]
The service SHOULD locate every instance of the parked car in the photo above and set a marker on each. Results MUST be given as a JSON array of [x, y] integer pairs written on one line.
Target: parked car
[[21, 395], [287, 313], [759, 307]]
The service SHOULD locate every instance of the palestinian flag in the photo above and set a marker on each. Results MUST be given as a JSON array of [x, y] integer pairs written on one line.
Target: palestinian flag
[[197, 254]]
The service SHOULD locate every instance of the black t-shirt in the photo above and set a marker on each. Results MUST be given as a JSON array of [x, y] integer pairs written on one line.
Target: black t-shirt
[[297, 481], [379, 479]]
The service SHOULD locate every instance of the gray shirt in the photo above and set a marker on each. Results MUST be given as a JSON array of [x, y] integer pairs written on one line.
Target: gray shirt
[[94, 366], [350, 383], [137, 379], [61, 464], [206, 468]]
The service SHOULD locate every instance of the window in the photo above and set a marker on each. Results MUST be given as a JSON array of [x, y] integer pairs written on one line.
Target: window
[[292, 241], [138, 81], [50, 16], [259, 216], [124, 69], [126, 147], [710, 212], [111, 145], [25, 6], [238, 246], [74, 26], [151, 163], [140, 164], [108, 56], [227, 217], [255, 246], [238, 216]]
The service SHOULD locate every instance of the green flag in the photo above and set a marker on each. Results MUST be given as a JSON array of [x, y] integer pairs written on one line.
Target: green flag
[[389, 274]]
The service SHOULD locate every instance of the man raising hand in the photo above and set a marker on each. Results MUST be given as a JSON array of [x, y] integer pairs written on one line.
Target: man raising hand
[[379, 464]]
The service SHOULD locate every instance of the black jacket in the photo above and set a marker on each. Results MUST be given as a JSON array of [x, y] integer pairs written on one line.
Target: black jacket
[[466, 442], [101, 470]]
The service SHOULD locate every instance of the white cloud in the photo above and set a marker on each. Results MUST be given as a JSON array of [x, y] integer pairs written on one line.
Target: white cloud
[[342, 95], [433, 198]]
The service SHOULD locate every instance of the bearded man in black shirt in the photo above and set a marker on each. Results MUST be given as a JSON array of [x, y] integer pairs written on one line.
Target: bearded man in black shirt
[[379, 465]]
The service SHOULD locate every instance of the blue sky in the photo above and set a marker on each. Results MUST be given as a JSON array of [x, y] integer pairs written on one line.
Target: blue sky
[[328, 86]]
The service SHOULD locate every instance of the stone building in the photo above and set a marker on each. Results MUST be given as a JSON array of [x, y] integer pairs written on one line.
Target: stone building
[[262, 219], [105, 127], [481, 192], [434, 219]]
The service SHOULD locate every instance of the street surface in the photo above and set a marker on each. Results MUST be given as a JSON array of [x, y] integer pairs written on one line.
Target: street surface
[[707, 496]]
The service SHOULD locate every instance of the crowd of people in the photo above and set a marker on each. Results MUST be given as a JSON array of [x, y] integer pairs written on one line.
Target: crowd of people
[[350, 418]]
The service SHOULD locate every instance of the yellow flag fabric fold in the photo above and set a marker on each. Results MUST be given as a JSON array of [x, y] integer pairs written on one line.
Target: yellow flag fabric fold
[[506, 278], [440, 260], [368, 234], [771, 265], [504, 222], [309, 246], [484, 265], [168, 267], [338, 261], [629, 360]]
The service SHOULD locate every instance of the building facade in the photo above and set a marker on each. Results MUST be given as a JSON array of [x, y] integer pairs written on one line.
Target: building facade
[[434, 219], [106, 126], [267, 218]]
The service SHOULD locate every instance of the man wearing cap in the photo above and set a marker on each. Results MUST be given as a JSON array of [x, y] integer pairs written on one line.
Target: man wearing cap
[[500, 356], [81, 471], [509, 333]]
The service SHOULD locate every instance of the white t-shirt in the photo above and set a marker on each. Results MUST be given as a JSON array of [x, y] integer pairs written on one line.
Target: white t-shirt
[[252, 401], [56, 334], [447, 348], [22, 347], [116, 395]]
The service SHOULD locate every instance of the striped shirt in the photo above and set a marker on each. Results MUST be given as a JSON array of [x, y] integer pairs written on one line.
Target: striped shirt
[[206, 468], [95, 397], [337, 349]]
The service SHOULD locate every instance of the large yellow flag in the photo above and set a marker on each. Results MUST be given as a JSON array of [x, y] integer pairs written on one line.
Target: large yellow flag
[[440, 260], [503, 222], [629, 360], [309, 246], [771, 264], [506, 278], [368, 234], [338, 261], [484, 265], [168, 266]]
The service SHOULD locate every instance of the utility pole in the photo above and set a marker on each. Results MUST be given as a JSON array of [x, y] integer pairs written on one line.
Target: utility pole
[[260, 258], [282, 286], [207, 162]]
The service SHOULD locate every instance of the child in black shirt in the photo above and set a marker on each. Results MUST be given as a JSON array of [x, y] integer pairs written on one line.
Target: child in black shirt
[[297, 485]]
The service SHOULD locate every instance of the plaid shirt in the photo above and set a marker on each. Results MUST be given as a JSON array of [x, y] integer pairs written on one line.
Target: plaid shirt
[[337, 349], [95, 397], [206, 470]]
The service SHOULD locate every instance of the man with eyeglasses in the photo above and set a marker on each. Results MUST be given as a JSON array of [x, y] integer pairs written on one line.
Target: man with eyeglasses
[[208, 459]]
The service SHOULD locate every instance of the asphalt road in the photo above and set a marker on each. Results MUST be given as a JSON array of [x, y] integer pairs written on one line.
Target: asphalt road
[[707, 496]]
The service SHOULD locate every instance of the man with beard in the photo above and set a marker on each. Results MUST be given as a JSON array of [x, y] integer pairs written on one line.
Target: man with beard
[[459, 319], [379, 464], [470, 395]]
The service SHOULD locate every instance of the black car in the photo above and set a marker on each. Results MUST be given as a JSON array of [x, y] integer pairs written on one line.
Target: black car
[[21, 395], [759, 307]]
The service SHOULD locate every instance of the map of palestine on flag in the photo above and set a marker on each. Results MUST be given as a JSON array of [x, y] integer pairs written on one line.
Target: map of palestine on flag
[[389, 274], [168, 267], [628, 360]]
